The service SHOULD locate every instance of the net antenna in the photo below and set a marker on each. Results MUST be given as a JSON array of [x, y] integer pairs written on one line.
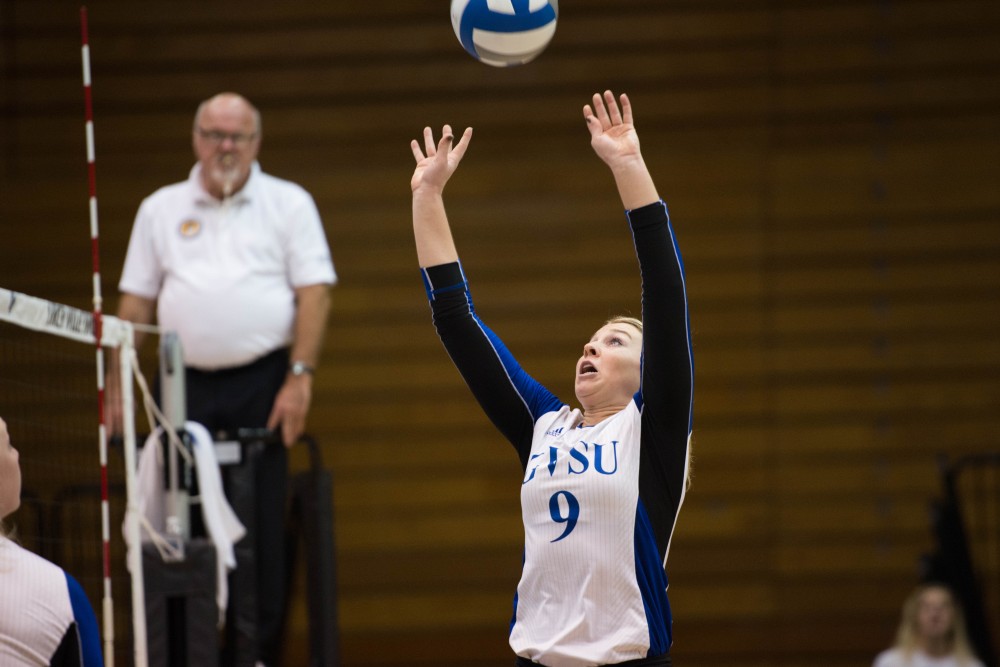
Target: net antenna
[[107, 606]]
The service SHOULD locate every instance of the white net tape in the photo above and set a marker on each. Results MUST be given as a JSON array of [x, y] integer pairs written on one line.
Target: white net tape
[[55, 318]]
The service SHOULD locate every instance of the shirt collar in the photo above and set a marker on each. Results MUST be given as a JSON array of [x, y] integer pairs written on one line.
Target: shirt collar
[[201, 196]]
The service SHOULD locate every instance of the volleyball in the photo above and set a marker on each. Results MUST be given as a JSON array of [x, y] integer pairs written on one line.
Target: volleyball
[[504, 33]]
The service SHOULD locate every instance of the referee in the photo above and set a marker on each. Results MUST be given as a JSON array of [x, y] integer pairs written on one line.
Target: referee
[[236, 262]]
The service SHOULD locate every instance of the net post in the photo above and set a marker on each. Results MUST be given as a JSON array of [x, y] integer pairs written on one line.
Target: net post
[[126, 354], [179, 474]]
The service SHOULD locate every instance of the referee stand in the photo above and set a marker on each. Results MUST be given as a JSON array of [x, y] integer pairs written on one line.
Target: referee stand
[[309, 532], [311, 525], [181, 610]]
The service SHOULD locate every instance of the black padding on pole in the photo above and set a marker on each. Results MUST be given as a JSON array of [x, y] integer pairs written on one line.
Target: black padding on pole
[[312, 521], [181, 611], [242, 639]]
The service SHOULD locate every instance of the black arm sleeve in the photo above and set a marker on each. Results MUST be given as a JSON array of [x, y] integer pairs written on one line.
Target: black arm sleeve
[[508, 395], [667, 371]]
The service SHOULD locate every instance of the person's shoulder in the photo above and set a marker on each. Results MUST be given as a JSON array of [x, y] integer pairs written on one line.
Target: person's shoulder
[[888, 658], [167, 193], [24, 562], [281, 185]]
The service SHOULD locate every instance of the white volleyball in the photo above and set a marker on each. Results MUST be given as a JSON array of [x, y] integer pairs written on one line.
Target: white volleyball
[[504, 33]]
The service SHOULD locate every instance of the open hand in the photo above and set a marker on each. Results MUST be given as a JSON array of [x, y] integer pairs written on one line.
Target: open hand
[[436, 164], [612, 134]]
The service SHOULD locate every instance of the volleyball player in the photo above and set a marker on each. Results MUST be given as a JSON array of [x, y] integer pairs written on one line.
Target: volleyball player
[[45, 617], [602, 483], [932, 632]]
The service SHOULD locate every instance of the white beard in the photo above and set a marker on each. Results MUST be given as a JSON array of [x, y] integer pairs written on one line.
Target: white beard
[[226, 173]]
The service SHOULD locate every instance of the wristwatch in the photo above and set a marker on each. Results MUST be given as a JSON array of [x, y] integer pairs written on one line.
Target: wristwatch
[[300, 368]]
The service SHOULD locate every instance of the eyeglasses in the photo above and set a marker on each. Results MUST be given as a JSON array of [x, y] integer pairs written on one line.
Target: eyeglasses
[[216, 137]]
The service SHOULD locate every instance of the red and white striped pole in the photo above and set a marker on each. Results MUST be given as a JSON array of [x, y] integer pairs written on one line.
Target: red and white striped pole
[[107, 604]]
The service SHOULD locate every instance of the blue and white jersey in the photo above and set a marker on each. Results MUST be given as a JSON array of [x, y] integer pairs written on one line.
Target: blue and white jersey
[[599, 503], [45, 617]]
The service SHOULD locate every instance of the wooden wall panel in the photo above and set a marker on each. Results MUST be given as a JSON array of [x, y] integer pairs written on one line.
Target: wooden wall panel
[[832, 170]]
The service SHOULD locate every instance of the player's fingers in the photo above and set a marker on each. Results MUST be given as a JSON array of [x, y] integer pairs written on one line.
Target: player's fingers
[[429, 149], [444, 145], [418, 154], [601, 111], [626, 109], [613, 112], [593, 124], [459, 150]]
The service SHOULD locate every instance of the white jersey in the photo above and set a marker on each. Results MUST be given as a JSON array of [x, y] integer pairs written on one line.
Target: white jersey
[[45, 619], [896, 658], [579, 500]]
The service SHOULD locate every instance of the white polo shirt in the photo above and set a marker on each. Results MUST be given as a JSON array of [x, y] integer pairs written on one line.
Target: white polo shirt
[[224, 273]]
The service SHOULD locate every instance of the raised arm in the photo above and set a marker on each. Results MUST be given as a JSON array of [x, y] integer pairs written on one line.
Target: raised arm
[[667, 383], [614, 139], [508, 395], [435, 165]]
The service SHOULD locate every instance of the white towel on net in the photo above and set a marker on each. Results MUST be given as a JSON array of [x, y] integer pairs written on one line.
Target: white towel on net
[[224, 528]]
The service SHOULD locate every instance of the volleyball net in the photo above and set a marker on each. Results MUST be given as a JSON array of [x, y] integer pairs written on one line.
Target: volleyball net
[[76, 491]]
